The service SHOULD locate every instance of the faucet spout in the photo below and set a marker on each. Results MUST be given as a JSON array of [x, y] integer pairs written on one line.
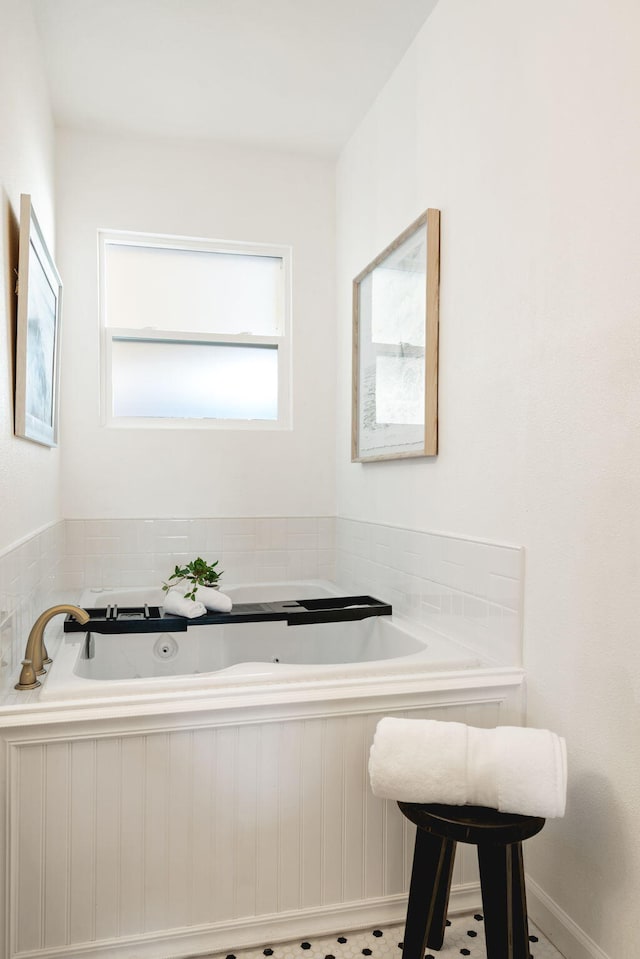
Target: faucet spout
[[35, 653]]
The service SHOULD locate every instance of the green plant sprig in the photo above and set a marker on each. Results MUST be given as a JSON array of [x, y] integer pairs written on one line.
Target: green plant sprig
[[197, 573]]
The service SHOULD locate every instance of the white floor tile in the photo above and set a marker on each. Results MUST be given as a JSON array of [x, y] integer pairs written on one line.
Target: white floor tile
[[464, 937]]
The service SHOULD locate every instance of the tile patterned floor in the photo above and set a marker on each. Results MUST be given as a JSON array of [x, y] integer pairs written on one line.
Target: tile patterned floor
[[464, 937]]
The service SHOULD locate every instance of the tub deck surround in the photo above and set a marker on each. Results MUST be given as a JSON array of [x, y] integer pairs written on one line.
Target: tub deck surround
[[247, 664], [436, 663], [270, 657]]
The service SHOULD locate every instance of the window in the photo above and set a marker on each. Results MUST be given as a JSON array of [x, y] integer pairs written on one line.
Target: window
[[195, 332]]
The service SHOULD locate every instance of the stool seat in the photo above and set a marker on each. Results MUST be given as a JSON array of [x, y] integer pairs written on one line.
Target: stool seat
[[471, 824], [498, 837]]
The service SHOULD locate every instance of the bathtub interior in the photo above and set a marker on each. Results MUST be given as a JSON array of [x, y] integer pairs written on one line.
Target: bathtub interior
[[206, 649]]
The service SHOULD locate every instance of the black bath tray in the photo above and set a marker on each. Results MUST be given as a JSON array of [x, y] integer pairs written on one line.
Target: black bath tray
[[126, 619], [337, 609], [153, 619]]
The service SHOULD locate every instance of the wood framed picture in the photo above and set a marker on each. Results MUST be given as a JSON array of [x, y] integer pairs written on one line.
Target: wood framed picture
[[395, 347], [38, 334]]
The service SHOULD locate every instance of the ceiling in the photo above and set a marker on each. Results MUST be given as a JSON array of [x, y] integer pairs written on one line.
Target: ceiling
[[285, 74]]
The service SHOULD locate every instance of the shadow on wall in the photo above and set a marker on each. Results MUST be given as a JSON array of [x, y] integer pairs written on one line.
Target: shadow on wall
[[11, 232]]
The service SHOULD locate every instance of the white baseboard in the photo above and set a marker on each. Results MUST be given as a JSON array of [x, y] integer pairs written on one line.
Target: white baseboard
[[254, 931], [558, 927]]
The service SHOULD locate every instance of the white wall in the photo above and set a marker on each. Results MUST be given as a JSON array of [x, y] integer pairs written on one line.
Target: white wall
[[520, 122], [29, 474], [206, 190]]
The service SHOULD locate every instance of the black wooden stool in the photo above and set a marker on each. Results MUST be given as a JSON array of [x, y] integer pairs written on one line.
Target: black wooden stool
[[499, 838]]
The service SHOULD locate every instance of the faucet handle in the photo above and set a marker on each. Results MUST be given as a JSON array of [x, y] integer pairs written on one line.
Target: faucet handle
[[28, 678]]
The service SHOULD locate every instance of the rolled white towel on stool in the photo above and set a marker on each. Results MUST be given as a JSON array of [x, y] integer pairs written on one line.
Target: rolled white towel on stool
[[531, 771], [214, 600], [179, 605], [419, 761], [512, 769]]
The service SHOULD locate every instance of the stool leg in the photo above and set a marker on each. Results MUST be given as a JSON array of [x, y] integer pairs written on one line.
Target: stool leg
[[428, 894], [504, 901]]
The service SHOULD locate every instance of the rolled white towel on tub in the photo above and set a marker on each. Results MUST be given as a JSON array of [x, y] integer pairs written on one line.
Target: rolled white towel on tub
[[179, 605], [214, 600], [511, 769]]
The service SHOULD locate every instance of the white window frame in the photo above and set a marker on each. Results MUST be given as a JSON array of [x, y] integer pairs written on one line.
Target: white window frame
[[110, 333]]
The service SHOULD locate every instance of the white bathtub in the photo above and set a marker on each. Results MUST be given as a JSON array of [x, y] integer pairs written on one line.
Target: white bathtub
[[219, 656]]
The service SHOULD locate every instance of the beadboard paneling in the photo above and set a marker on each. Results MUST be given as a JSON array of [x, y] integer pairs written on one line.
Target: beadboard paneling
[[122, 836]]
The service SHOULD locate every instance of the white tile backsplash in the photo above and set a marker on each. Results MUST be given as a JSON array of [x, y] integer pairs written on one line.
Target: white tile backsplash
[[235, 542], [326, 533], [504, 590], [302, 524], [468, 590], [144, 552]]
